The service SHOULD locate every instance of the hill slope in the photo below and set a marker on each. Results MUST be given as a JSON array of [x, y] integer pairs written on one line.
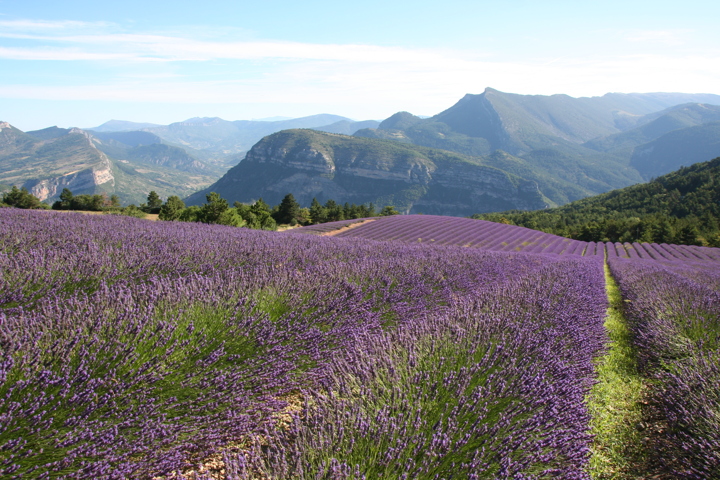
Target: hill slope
[[653, 126], [49, 160], [312, 164], [677, 148], [573, 147], [680, 207]]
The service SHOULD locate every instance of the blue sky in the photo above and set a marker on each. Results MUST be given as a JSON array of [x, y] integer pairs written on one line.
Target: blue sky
[[81, 63]]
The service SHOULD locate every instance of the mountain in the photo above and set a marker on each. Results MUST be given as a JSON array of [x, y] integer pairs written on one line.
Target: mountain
[[52, 162], [121, 126], [573, 147], [677, 148], [231, 137], [654, 125], [311, 164], [46, 161], [518, 124], [49, 133], [347, 127]]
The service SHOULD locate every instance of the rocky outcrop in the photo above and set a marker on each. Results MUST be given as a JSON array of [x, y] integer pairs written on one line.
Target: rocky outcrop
[[311, 164], [81, 181], [54, 159]]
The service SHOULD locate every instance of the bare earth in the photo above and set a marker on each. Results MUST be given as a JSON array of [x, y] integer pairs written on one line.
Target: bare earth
[[340, 230]]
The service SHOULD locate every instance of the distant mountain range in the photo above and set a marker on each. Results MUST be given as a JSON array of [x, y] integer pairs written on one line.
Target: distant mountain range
[[216, 136], [568, 148], [541, 151], [130, 159]]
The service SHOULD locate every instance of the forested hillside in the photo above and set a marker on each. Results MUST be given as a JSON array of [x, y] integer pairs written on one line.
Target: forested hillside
[[681, 207]]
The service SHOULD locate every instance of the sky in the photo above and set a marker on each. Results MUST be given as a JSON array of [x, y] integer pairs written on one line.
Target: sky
[[82, 63]]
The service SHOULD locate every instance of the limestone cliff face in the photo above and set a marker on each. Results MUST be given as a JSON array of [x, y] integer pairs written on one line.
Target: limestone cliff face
[[89, 168], [306, 158], [80, 181], [312, 164], [47, 165]]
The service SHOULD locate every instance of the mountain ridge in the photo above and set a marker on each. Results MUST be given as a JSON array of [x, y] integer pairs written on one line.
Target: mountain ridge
[[313, 164], [49, 160]]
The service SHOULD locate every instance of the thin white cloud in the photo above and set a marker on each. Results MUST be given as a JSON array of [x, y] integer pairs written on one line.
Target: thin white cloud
[[64, 54], [665, 37], [184, 49], [45, 25], [355, 78], [413, 81]]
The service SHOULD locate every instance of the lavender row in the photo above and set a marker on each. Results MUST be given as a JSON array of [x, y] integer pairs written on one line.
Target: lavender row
[[664, 252], [429, 229], [493, 386], [674, 311], [433, 230], [132, 349]]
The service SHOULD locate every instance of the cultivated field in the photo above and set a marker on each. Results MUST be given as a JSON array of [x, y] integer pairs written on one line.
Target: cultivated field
[[409, 347]]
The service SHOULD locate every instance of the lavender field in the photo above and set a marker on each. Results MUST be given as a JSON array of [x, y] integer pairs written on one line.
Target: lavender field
[[409, 347]]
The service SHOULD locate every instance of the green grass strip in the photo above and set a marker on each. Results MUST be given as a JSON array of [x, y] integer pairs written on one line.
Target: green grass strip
[[615, 401]]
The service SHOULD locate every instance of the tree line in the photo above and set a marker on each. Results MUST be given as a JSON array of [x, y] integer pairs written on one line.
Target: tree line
[[216, 210], [259, 215]]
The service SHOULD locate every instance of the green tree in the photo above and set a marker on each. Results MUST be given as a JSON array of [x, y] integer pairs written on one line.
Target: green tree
[[214, 208], [231, 218], [172, 209], [251, 220], [153, 202], [21, 198], [334, 211], [256, 216], [92, 203], [268, 223], [288, 211], [114, 201], [662, 231], [66, 198], [303, 216], [318, 213], [130, 211], [190, 214], [688, 235], [388, 210], [260, 207]]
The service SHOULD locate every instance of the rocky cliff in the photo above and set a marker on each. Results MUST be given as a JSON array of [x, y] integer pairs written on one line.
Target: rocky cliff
[[47, 161], [311, 164], [47, 165]]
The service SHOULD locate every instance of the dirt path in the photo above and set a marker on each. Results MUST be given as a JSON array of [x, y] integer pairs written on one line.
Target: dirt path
[[340, 230]]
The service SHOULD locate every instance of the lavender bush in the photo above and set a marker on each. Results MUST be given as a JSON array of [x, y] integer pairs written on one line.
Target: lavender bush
[[133, 349], [491, 386], [674, 309], [437, 230]]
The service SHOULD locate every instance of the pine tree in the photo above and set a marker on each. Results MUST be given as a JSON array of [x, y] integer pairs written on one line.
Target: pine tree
[[153, 202], [318, 213], [172, 208], [213, 209], [288, 210], [388, 210]]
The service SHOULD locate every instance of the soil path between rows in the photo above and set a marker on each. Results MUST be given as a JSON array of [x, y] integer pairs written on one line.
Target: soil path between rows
[[340, 230]]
